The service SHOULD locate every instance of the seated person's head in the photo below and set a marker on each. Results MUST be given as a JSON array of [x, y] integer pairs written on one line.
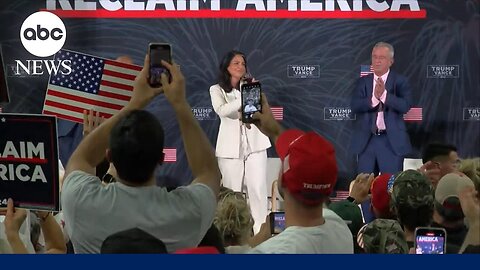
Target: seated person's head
[[132, 241], [309, 168], [383, 236], [412, 199], [233, 218], [136, 147], [447, 203], [213, 239], [443, 155], [351, 214]]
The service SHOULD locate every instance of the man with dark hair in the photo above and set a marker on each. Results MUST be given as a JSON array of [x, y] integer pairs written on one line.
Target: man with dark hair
[[133, 141], [435, 151], [132, 241], [139, 134], [444, 159]]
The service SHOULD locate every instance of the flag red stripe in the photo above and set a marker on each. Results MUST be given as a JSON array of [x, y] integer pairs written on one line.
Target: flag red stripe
[[415, 114], [113, 95], [73, 108], [25, 160], [84, 100], [123, 65], [118, 74], [117, 85], [170, 154], [63, 116], [243, 14]]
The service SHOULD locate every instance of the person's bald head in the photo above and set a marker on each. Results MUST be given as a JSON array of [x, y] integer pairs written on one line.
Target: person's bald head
[[125, 59]]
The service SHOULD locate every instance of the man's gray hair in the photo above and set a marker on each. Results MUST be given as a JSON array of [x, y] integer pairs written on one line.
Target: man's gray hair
[[386, 45]]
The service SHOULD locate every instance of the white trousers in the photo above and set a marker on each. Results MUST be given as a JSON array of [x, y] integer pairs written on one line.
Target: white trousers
[[253, 174]]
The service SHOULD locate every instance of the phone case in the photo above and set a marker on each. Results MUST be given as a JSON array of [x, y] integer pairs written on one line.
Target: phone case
[[251, 100]]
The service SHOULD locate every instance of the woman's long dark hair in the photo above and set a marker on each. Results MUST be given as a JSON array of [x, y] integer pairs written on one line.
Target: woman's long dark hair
[[223, 74]]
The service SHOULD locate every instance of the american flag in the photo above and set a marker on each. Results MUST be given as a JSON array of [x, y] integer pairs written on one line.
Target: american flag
[[414, 115], [340, 195], [277, 112], [365, 70], [170, 154], [94, 83], [1, 110]]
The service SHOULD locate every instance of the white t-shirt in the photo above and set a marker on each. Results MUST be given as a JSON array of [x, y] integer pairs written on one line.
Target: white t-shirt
[[332, 237], [92, 212]]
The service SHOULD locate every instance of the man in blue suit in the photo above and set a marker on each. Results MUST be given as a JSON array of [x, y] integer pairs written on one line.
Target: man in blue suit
[[380, 100]]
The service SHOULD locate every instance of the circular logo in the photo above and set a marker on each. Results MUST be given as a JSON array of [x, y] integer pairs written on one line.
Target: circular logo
[[43, 34]]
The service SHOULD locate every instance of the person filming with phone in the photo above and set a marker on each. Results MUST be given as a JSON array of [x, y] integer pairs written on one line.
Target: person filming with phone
[[133, 139], [241, 152]]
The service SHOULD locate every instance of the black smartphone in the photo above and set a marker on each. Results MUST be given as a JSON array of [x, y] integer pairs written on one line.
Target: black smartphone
[[4, 96], [277, 222], [430, 240], [251, 100], [157, 53]]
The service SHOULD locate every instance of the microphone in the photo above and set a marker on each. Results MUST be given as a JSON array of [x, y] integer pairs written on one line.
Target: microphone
[[246, 78]]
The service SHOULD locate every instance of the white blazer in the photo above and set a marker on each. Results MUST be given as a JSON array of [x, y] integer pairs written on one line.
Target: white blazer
[[228, 140]]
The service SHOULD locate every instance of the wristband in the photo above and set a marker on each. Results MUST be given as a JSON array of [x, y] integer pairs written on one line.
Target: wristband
[[44, 217]]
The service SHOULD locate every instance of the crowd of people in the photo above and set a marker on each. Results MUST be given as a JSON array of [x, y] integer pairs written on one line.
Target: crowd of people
[[131, 214]]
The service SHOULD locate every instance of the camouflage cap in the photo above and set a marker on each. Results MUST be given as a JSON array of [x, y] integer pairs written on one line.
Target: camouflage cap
[[384, 236], [412, 189]]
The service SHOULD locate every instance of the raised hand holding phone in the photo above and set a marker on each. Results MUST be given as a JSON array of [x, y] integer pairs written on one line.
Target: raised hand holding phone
[[277, 222], [143, 92]]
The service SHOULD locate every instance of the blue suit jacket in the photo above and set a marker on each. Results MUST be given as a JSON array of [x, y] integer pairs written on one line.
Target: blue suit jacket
[[69, 137], [397, 104]]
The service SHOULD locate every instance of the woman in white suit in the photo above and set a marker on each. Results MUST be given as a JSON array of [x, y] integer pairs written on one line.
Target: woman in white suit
[[241, 152]]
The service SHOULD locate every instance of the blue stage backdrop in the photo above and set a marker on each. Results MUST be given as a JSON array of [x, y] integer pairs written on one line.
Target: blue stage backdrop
[[307, 61]]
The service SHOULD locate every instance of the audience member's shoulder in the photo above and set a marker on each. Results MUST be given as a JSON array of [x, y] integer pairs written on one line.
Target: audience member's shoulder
[[215, 87], [330, 215], [279, 244], [76, 179], [399, 76], [195, 188], [80, 176]]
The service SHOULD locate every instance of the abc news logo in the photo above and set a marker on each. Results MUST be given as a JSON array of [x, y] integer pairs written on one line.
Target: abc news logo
[[42, 34]]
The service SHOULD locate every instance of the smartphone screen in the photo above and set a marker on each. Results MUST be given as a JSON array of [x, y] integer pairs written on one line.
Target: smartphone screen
[[157, 53], [251, 100], [277, 222], [430, 240], [4, 97]]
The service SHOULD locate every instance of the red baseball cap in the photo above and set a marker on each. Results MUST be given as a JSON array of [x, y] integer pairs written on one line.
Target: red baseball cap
[[380, 194], [309, 165]]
